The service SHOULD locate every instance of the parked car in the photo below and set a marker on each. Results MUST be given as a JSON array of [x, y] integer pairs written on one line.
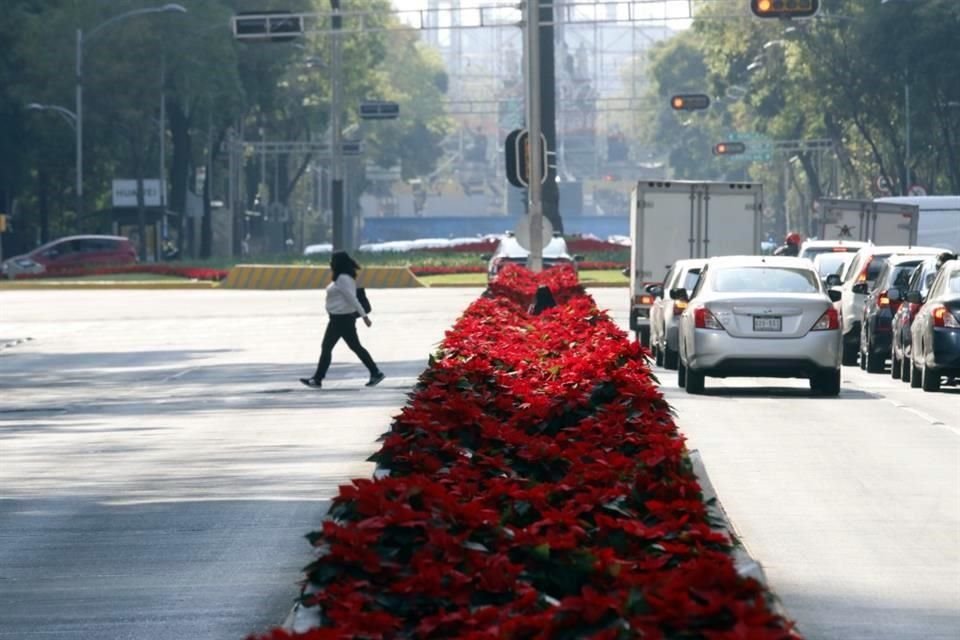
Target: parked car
[[920, 280], [73, 252], [509, 250], [665, 313], [858, 279], [759, 316], [935, 334], [810, 249], [881, 304]]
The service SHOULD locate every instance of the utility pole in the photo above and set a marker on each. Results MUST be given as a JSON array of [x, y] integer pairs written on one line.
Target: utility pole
[[336, 141], [548, 105], [535, 189]]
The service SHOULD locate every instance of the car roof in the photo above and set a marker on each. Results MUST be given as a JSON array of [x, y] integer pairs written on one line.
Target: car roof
[[510, 248], [761, 261], [81, 237], [897, 258], [690, 263], [900, 249], [833, 243]]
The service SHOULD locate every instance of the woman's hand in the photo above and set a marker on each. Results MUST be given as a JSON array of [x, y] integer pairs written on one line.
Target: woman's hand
[[367, 321]]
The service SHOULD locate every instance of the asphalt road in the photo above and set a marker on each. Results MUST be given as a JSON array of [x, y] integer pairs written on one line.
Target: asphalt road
[[159, 465]]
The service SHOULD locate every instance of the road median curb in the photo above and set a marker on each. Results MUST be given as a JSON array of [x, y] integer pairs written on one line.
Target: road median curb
[[87, 285], [271, 277]]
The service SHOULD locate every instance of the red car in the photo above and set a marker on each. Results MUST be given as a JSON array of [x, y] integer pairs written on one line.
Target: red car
[[73, 252]]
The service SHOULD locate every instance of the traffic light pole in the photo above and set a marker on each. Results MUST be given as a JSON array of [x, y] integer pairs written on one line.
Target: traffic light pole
[[336, 142], [534, 124]]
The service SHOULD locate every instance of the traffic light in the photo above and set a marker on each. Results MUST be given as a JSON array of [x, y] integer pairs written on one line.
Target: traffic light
[[784, 8], [690, 102], [729, 148], [268, 26]]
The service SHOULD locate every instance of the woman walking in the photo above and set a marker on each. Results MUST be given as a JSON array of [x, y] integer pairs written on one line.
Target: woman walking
[[343, 308]]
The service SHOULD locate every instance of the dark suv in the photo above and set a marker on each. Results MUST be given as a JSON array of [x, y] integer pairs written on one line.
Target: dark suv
[[73, 252], [880, 306], [920, 281]]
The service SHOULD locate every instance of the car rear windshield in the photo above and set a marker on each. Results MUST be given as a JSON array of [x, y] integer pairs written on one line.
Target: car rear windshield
[[900, 274], [830, 262], [765, 280], [875, 266], [690, 282], [813, 252]]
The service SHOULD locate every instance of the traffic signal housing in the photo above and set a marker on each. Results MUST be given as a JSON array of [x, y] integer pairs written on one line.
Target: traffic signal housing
[[784, 8], [690, 102], [729, 148]]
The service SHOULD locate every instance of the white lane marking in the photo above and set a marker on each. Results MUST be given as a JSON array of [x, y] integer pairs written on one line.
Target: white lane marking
[[924, 416]]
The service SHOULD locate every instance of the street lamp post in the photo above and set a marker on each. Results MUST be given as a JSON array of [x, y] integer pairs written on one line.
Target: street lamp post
[[78, 116]]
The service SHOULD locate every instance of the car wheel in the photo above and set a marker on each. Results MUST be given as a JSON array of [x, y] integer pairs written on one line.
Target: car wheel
[[896, 367], [826, 383], [905, 367], [670, 358], [658, 355], [695, 382], [931, 379], [849, 354], [915, 374], [681, 375], [873, 362]]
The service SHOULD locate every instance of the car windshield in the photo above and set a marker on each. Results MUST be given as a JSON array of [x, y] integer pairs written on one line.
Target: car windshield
[[900, 274], [875, 266], [953, 283], [765, 280], [813, 252]]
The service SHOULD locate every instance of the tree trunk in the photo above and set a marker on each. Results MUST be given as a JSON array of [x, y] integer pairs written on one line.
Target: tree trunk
[[180, 166], [43, 200]]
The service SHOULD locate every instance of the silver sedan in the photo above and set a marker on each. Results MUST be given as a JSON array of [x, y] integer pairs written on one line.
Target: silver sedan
[[760, 316]]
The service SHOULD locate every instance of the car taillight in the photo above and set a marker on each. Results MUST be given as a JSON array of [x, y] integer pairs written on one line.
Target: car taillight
[[883, 300], [942, 317], [679, 306], [703, 319], [829, 321], [646, 299]]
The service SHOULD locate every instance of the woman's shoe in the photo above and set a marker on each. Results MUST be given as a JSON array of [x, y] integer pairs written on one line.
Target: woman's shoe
[[311, 382], [376, 379]]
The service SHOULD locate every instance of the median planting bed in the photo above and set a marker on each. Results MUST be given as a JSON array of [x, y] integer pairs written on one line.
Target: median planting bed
[[537, 487]]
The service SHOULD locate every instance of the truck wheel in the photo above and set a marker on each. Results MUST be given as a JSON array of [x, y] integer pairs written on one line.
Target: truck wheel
[[695, 382], [670, 358]]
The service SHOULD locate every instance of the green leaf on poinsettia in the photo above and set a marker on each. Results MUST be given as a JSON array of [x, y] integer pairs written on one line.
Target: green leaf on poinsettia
[[475, 546], [636, 603], [617, 506], [314, 537], [542, 551], [654, 377]]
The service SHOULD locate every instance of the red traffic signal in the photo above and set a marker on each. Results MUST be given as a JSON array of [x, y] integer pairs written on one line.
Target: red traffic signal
[[729, 148], [784, 8], [690, 102]]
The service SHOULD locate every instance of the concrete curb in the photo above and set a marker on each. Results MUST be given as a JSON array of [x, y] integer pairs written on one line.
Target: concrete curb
[[745, 564], [270, 276], [86, 285]]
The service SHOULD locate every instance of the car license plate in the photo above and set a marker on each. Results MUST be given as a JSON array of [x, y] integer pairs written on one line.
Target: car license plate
[[767, 323]]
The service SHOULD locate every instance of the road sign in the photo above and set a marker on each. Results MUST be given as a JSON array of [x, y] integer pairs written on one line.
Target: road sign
[[517, 155], [379, 110], [917, 190], [351, 147], [882, 184], [690, 102]]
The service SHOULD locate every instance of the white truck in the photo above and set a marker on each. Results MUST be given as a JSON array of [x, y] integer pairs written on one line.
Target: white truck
[[885, 223], [675, 219], [939, 219]]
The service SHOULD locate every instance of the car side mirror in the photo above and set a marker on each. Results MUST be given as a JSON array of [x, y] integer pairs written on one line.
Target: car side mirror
[[679, 294], [860, 287], [486, 257], [626, 272], [833, 280], [654, 290], [893, 295], [835, 295], [914, 297]]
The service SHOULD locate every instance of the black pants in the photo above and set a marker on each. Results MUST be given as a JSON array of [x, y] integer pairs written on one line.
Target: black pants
[[342, 326]]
